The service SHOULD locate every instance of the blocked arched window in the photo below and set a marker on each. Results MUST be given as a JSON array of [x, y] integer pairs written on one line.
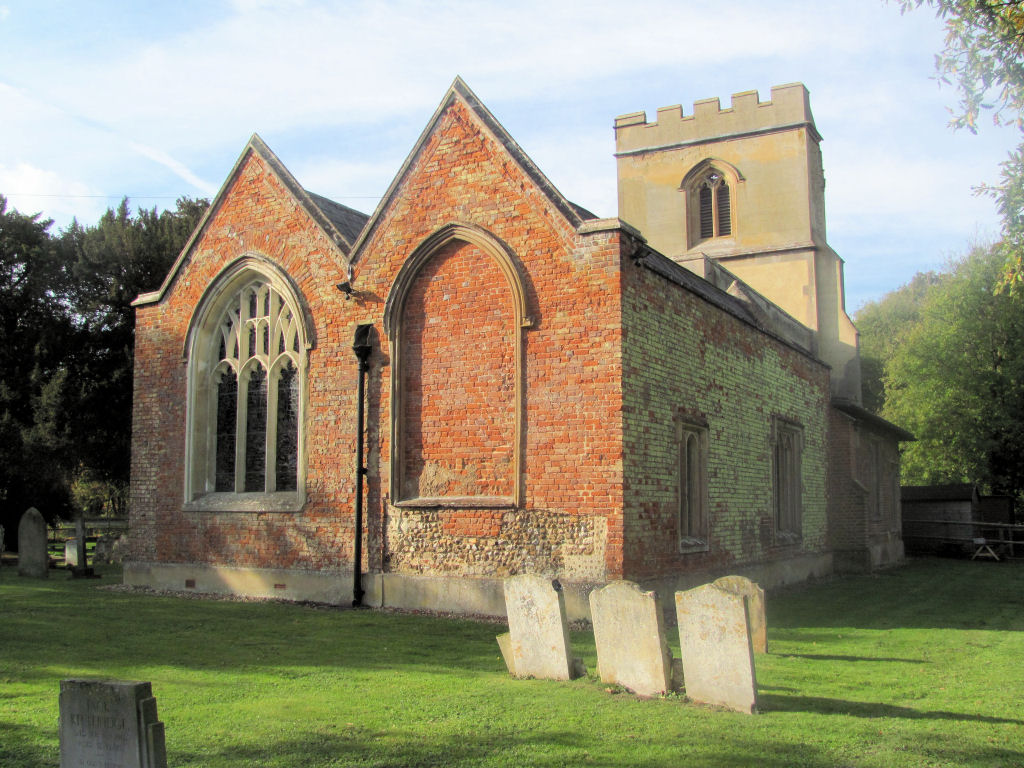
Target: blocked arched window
[[691, 468], [247, 363], [455, 318]]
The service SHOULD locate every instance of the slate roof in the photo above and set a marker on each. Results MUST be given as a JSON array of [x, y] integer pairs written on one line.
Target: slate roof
[[348, 221]]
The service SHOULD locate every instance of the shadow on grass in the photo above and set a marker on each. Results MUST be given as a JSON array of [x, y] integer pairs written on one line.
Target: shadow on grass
[[824, 706], [404, 749], [833, 657], [926, 593]]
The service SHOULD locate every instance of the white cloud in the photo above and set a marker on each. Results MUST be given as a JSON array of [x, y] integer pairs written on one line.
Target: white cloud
[[342, 90], [30, 190]]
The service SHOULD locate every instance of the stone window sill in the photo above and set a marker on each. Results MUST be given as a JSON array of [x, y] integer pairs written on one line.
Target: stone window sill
[[787, 539], [247, 502], [457, 502], [689, 545]]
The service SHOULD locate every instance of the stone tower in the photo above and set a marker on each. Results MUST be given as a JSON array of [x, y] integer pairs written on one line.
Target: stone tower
[[743, 188]]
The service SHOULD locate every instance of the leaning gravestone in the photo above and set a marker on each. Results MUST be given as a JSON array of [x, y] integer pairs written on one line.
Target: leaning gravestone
[[33, 559], [109, 724], [538, 641], [630, 638], [755, 605], [714, 637]]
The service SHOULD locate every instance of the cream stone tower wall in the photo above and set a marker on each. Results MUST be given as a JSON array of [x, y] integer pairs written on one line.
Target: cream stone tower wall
[[768, 152]]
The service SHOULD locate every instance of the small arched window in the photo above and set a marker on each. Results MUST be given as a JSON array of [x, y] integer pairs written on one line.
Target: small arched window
[[247, 358]]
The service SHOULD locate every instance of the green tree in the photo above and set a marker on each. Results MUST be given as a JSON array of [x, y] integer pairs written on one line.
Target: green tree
[[884, 326], [35, 332], [114, 261], [984, 58], [954, 375]]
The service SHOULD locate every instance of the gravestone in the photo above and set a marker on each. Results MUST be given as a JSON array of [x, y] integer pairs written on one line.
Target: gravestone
[[71, 552], [80, 569], [741, 585], [108, 549], [109, 724], [714, 637], [538, 642], [33, 559], [630, 638]]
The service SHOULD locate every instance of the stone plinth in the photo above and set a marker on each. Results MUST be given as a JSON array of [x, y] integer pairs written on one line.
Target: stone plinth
[[538, 631], [630, 638], [33, 559], [741, 585], [109, 724], [714, 638]]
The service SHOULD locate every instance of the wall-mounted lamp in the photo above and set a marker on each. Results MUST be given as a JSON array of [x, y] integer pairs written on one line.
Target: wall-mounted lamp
[[346, 287]]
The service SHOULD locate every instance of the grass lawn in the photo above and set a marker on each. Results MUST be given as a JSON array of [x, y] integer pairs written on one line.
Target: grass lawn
[[920, 666]]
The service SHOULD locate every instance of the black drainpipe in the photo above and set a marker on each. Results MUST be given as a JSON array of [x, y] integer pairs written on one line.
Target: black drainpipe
[[362, 347]]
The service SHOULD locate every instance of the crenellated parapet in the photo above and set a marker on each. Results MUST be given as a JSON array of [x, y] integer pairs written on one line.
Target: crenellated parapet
[[788, 108]]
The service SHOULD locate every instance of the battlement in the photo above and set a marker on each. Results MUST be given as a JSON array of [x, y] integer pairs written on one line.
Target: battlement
[[789, 106]]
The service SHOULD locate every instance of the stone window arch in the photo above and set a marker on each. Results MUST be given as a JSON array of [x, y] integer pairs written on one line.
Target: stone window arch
[[246, 353], [436, 459], [710, 189]]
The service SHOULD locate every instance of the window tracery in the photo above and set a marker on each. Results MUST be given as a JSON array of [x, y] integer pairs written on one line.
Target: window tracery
[[247, 363]]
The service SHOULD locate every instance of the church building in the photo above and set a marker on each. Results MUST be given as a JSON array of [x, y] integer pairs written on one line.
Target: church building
[[483, 379]]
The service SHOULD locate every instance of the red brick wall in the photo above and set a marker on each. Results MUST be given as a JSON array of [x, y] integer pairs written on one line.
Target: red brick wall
[[259, 217], [571, 412], [458, 378], [571, 461]]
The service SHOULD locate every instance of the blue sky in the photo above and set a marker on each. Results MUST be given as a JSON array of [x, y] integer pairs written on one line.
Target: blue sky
[[99, 100]]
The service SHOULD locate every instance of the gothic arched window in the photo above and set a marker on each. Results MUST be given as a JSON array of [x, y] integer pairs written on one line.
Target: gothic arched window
[[247, 361]]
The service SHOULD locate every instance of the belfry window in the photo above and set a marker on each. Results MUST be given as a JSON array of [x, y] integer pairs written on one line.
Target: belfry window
[[714, 205], [247, 363]]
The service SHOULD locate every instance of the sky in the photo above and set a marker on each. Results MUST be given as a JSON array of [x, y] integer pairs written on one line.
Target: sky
[[101, 99]]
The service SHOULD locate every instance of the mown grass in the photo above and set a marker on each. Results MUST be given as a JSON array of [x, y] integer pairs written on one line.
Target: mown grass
[[921, 666]]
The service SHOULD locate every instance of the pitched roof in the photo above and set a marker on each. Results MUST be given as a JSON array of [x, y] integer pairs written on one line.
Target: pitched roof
[[861, 413], [953, 492], [348, 221], [338, 223], [459, 91]]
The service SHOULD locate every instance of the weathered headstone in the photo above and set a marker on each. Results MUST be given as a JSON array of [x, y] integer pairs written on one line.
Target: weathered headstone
[[714, 637], [538, 630], [630, 637], [33, 559], [741, 585], [108, 549], [71, 553], [109, 724], [80, 569]]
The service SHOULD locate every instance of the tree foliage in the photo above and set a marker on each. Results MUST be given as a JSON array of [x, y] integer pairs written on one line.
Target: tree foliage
[[66, 357], [951, 353], [984, 59], [36, 332]]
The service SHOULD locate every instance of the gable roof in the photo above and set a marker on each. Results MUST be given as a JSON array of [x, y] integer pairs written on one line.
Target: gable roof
[[339, 224], [574, 214]]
